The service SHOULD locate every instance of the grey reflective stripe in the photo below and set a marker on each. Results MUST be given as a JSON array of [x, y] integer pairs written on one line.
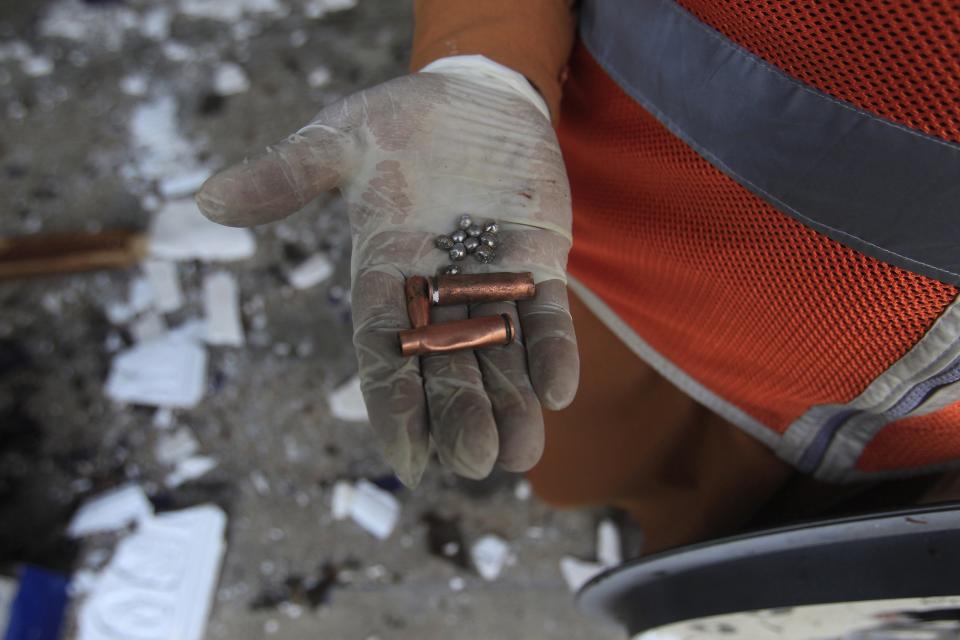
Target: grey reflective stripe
[[669, 370], [828, 440], [886, 190]]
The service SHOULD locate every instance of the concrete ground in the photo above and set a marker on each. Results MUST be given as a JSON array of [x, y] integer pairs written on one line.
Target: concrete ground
[[73, 77]]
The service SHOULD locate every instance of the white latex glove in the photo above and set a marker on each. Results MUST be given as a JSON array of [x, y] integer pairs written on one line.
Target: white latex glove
[[410, 156]]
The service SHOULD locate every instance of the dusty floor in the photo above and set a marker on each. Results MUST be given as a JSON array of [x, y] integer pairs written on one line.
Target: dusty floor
[[68, 161]]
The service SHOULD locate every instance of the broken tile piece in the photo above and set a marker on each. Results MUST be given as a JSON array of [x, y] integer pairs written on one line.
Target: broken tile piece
[[341, 500], [174, 447], [164, 285], [180, 232], [489, 554], [168, 372], [230, 79], [221, 307], [311, 272], [161, 579], [609, 552], [578, 572], [374, 509], [110, 511], [189, 469], [346, 402]]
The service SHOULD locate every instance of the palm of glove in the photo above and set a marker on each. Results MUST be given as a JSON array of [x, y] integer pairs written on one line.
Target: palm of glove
[[410, 156]]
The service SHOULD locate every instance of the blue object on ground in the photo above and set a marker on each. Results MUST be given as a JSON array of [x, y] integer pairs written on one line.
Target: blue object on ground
[[37, 611]]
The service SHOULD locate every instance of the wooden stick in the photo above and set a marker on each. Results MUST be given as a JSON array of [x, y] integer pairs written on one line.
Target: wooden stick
[[70, 252]]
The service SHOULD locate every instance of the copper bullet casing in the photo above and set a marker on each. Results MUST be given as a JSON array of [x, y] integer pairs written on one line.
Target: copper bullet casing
[[445, 337], [486, 287], [417, 292]]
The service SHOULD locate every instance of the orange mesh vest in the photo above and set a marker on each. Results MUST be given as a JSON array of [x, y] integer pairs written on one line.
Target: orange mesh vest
[[764, 209]]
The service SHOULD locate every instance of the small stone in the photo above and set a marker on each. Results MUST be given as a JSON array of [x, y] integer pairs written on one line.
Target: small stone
[[444, 242], [484, 254], [474, 231], [458, 252], [458, 236], [471, 244], [491, 226], [490, 240], [465, 222], [453, 270]]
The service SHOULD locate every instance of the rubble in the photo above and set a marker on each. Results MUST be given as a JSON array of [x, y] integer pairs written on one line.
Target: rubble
[[165, 372], [372, 508], [311, 272], [111, 511], [346, 402], [221, 307], [489, 554], [189, 469], [161, 578], [609, 552], [164, 282], [180, 232], [230, 79], [174, 447]]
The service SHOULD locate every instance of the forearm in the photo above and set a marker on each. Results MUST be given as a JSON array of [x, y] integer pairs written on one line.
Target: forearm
[[533, 37]]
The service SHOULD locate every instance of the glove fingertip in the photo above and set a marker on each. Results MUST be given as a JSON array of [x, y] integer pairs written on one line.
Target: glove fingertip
[[556, 379]]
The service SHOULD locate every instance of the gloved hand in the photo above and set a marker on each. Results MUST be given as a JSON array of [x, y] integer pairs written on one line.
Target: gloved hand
[[410, 156]]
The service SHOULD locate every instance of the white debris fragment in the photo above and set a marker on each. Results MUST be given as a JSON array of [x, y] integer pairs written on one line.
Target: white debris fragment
[[164, 284], [183, 184], [221, 306], [174, 447], [369, 506], [36, 66], [139, 299], [180, 232], [577, 572], [374, 509], [189, 469], [168, 372], [231, 10], [161, 147], [230, 79], [156, 23], [489, 554], [161, 580], [341, 500], [135, 84], [260, 482], [609, 553], [346, 402], [163, 418], [457, 584], [111, 511], [83, 22], [339, 5], [522, 490], [149, 326], [311, 272], [177, 51], [319, 77]]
